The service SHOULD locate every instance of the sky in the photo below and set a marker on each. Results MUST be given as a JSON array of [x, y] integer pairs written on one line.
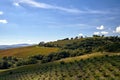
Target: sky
[[33, 21]]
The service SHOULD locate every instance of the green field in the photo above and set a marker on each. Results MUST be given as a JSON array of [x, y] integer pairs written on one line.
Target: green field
[[98, 67], [24, 52]]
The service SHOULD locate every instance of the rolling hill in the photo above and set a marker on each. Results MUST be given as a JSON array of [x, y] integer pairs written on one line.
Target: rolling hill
[[90, 58]]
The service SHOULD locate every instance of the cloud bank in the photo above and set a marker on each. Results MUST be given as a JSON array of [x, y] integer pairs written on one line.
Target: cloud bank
[[4, 21], [101, 32], [96, 33], [104, 32]]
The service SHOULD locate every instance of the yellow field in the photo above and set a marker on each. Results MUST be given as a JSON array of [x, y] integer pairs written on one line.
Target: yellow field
[[24, 52]]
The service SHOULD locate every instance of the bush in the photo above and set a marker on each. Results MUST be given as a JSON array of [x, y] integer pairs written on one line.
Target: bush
[[20, 63], [112, 47], [37, 57], [62, 62], [4, 65], [26, 62], [55, 56], [63, 54], [45, 59], [31, 61]]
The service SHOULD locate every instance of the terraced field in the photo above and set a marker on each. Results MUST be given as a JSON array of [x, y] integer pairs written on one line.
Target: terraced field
[[24, 52], [103, 67]]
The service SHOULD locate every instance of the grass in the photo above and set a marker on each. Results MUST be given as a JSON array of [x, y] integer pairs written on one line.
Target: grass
[[24, 52], [98, 54]]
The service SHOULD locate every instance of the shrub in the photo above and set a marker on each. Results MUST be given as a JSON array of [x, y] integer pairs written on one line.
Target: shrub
[[112, 47], [4, 65], [62, 62], [37, 57], [31, 61]]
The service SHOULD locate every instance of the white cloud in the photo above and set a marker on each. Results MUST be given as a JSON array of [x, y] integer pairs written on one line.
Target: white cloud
[[29, 40], [100, 28], [45, 6], [104, 32], [1, 13], [33, 3], [80, 34], [4, 21], [73, 25], [117, 29], [97, 11], [96, 33], [16, 4]]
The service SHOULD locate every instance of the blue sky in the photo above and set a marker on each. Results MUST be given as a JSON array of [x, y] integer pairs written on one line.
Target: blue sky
[[32, 21]]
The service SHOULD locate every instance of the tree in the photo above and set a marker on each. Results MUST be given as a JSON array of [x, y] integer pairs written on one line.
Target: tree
[[41, 43], [66, 39], [31, 61], [76, 37], [4, 58], [4, 65], [112, 47], [37, 57], [96, 35]]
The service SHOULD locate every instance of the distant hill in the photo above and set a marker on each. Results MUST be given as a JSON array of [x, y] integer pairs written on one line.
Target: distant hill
[[14, 46]]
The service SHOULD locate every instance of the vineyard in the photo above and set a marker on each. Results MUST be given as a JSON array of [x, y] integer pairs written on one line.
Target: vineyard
[[95, 68]]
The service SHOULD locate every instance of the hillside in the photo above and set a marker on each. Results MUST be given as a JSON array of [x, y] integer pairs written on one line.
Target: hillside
[[89, 58], [24, 52], [90, 68], [88, 44]]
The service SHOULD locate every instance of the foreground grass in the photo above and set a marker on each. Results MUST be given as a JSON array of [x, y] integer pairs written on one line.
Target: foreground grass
[[94, 66], [24, 52]]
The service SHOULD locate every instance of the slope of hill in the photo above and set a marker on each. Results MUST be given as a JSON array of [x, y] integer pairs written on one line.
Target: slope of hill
[[24, 52], [90, 68], [88, 44]]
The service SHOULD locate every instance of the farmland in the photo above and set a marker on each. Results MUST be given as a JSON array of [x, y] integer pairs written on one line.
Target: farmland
[[91, 68], [24, 52]]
